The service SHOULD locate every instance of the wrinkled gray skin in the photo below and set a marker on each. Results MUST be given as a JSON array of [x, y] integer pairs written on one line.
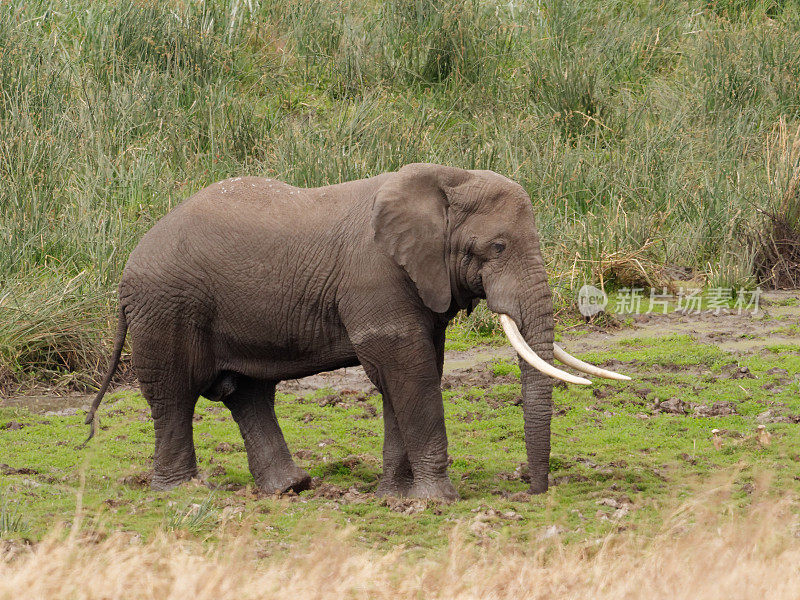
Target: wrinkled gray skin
[[252, 281]]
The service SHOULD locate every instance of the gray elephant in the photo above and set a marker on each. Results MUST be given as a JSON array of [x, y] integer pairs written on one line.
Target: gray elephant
[[252, 281]]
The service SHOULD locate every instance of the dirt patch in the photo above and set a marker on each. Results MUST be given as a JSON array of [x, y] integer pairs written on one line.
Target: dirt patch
[[458, 361], [340, 495], [138, 480], [737, 372], [773, 415], [43, 404], [6, 470], [470, 416], [480, 375], [744, 333], [674, 406], [228, 447], [59, 405], [461, 368], [351, 379], [719, 409], [405, 506]]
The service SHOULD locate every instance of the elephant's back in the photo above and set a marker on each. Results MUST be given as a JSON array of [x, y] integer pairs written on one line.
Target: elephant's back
[[245, 239], [204, 220], [228, 244], [260, 193]]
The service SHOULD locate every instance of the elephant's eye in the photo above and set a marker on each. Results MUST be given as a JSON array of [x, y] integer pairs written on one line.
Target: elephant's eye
[[498, 247]]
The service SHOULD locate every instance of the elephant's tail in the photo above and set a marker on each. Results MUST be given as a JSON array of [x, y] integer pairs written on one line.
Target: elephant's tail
[[119, 342]]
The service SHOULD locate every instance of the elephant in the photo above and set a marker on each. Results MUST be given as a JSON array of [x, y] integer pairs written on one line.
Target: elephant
[[252, 281]]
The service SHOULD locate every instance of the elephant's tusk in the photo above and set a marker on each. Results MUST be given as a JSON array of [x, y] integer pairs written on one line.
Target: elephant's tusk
[[560, 354], [533, 359]]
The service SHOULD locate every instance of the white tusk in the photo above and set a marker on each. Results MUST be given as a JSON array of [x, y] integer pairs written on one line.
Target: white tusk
[[560, 354], [533, 359]]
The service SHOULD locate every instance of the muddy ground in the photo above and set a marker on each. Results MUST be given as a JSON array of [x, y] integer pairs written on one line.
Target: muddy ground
[[776, 322]]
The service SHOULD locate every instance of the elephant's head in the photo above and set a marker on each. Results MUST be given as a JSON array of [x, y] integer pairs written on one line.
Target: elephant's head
[[463, 235]]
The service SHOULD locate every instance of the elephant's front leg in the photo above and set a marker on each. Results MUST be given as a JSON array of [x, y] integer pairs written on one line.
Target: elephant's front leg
[[408, 377], [397, 477]]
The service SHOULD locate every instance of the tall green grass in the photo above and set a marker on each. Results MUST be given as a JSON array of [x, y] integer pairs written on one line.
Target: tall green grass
[[628, 122]]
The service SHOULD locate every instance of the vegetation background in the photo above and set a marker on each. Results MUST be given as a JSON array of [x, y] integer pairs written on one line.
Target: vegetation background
[[658, 131], [656, 138]]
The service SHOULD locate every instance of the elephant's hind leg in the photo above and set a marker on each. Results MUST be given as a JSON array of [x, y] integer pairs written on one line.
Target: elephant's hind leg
[[172, 406], [253, 408]]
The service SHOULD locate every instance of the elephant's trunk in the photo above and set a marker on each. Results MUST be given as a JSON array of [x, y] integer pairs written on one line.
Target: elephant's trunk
[[537, 387], [536, 352]]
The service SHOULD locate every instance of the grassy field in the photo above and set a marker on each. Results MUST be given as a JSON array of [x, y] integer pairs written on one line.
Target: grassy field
[[659, 486], [697, 555], [622, 452], [643, 130]]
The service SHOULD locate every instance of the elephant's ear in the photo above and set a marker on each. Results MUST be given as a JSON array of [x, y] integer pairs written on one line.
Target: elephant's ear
[[409, 221]]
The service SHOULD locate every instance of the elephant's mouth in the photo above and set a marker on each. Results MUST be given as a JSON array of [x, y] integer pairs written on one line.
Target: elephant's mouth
[[533, 359], [472, 278], [479, 286]]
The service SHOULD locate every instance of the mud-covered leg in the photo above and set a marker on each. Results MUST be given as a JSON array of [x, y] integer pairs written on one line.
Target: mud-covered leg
[[253, 408]]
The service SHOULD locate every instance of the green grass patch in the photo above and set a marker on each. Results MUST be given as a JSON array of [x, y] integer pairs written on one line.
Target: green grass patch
[[611, 446]]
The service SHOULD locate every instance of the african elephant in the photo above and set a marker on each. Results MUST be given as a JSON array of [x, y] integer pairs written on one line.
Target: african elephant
[[252, 281]]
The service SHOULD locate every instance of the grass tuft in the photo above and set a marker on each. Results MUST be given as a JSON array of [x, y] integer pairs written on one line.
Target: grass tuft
[[777, 245], [191, 517], [51, 333], [11, 521]]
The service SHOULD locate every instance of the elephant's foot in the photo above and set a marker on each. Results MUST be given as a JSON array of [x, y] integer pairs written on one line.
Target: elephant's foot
[[538, 482], [394, 486], [280, 480], [397, 478], [166, 481], [537, 489], [438, 489]]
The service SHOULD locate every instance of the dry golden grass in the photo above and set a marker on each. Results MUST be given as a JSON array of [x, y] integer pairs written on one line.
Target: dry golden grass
[[705, 550]]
